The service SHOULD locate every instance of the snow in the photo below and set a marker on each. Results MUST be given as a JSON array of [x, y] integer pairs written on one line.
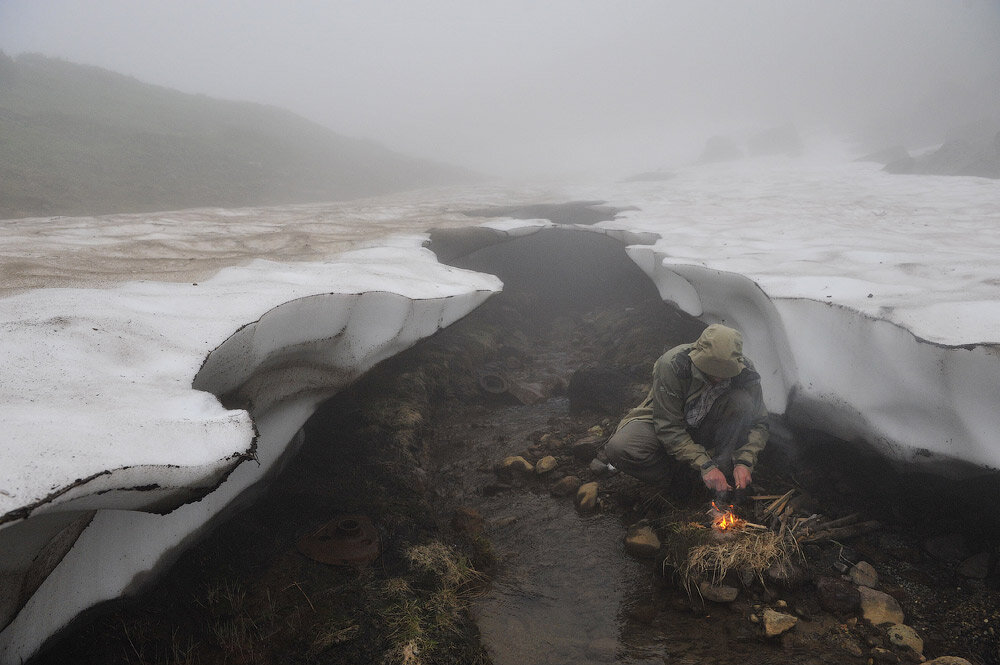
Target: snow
[[135, 345]]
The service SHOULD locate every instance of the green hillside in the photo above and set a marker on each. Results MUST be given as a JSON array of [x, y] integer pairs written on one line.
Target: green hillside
[[83, 140]]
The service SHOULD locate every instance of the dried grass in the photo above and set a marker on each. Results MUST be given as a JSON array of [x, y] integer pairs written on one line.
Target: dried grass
[[697, 555]]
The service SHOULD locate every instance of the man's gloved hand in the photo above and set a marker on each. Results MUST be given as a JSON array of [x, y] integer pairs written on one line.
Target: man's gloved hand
[[742, 477], [716, 481]]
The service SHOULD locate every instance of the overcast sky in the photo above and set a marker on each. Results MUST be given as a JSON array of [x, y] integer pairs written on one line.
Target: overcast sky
[[526, 87]]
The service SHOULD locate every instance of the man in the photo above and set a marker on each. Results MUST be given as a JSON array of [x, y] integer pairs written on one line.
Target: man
[[705, 409]]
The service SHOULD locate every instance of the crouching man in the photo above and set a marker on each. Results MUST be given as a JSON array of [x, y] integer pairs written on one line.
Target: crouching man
[[704, 410]]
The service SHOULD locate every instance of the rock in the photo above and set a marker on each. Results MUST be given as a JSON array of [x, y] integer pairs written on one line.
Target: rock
[[584, 449], [467, 520], [904, 636], [947, 660], [546, 464], [586, 498], [642, 542], [878, 607], [949, 547], [880, 655], [776, 623], [517, 463], [720, 149], [786, 574], [863, 574], [976, 566], [566, 486], [717, 594], [837, 596]]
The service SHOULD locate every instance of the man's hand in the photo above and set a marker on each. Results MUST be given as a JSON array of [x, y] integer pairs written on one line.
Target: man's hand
[[741, 477], [716, 481]]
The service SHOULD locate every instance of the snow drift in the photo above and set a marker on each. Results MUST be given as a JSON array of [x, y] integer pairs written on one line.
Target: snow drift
[[134, 414]]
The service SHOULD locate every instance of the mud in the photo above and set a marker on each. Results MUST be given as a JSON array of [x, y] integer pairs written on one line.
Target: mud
[[415, 445]]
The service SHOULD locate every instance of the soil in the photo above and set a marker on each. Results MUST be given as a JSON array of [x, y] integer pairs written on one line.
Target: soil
[[480, 566]]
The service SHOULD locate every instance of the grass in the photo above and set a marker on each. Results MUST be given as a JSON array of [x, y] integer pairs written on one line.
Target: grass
[[696, 554]]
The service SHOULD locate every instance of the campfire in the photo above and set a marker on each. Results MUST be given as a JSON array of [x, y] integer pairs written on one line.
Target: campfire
[[724, 519]]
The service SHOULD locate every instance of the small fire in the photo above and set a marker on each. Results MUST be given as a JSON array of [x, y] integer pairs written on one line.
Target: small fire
[[725, 519]]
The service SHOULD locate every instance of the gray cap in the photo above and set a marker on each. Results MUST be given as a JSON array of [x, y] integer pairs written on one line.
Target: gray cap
[[719, 351]]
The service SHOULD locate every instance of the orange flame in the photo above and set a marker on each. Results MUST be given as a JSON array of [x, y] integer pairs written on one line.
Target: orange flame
[[725, 520]]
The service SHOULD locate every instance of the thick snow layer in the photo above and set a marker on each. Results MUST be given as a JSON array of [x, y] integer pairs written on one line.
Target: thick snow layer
[[147, 357]]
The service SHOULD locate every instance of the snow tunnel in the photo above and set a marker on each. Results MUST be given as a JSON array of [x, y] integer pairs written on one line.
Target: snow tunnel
[[413, 435]]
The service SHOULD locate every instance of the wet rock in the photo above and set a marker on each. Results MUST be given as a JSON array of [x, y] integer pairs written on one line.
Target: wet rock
[[863, 574], [467, 520], [776, 623], [904, 636], [517, 463], [717, 593], [880, 655], [947, 660], [786, 574], [949, 547], [566, 486], [976, 566], [878, 607], [586, 448], [546, 464], [642, 542], [586, 498], [837, 596]]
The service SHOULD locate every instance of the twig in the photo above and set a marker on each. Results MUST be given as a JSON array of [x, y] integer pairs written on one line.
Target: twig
[[296, 585], [778, 505], [841, 521], [843, 532]]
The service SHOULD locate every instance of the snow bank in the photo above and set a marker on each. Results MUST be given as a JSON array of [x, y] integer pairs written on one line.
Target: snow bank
[[100, 411]]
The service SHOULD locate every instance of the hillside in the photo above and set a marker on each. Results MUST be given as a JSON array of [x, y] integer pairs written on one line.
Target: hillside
[[82, 140]]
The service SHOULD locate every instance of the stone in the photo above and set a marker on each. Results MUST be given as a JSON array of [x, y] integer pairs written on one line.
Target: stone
[[947, 660], [786, 574], [717, 593], [878, 607], [904, 636], [863, 574], [467, 520], [976, 566], [566, 486], [837, 596], [546, 464], [776, 623], [586, 448], [880, 655], [586, 498], [517, 463], [642, 542]]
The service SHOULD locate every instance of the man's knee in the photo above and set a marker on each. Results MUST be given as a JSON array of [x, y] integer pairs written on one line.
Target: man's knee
[[631, 445]]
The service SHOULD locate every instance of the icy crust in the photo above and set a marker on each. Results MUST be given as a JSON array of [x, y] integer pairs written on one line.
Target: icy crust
[[835, 369], [145, 440]]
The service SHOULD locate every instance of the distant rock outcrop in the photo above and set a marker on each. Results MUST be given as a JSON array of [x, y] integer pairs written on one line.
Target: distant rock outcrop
[[886, 156], [720, 149], [967, 157]]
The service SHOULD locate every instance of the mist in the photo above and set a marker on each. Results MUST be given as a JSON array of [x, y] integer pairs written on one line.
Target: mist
[[566, 87]]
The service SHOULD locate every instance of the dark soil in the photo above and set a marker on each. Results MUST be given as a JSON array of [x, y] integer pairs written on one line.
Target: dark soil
[[479, 567]]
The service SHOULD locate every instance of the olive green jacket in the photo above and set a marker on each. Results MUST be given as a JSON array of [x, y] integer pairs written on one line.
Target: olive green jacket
[[676, 382]]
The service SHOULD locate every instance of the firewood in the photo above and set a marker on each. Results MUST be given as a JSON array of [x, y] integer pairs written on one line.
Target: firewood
[[842, 533], [779, 504], [840, 521]]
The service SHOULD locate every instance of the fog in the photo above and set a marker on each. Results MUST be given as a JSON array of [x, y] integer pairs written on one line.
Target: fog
[[566, 86]]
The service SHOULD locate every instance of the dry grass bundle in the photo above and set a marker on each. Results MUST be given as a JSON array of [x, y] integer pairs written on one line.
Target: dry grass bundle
[[697, 554]]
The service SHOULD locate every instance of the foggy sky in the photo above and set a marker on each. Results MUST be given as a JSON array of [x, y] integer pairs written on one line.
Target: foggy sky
[[520, 87]]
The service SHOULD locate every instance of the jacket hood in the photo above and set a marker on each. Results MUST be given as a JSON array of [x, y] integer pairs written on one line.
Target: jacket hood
[[719, 352]]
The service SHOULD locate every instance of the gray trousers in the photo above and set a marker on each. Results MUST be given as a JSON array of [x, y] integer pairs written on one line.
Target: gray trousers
[[635, 449]]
